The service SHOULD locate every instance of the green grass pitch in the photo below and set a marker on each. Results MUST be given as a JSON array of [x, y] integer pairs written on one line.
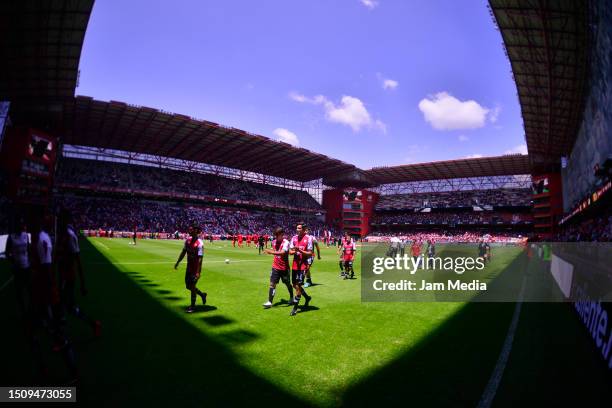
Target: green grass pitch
[[232, 351]]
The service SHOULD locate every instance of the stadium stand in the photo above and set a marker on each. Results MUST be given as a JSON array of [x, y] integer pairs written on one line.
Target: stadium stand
[[118, 214], [440, 237], [513, 197], [80, 174], [446, 218]]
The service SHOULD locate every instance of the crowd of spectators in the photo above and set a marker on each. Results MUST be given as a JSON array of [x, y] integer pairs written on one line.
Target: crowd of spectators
[[506, 197], [447, 237], [144, 179], [453, 218], [597, 229], [91, 213]]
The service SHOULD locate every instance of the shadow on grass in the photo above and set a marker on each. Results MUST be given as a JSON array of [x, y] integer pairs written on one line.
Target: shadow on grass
[[451, 366], [308, 308], [148, 355], [151, 355], [447, 368], [217, 320], [239, 336]]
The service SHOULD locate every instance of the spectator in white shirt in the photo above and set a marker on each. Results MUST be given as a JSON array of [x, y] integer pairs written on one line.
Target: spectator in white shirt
[[18, 252]]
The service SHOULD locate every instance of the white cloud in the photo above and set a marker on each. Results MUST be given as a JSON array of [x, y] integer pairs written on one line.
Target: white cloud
[[379, 124], [474, 156], [390, 84], [351, 111], [371, 4], [445, 112], [387, 83], [520, 149], [297, 97], [494, 114], [463, 138], [287, 136]]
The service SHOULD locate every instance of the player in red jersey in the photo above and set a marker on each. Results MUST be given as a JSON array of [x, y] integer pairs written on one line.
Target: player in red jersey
[[266, 239], [348, 250], [194, 249], [248, 240], [301, 249], [240, 240], [415, 249], [280, 266]]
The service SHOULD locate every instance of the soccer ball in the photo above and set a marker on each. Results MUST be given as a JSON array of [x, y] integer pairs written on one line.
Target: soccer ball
[[227, 261]]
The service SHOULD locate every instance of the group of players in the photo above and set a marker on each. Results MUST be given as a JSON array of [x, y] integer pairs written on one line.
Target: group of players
[[302, 247], [44, 297], [259, 240]]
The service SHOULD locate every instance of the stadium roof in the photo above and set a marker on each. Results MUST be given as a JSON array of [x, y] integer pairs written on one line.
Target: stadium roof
[[40, 48], [119, 126], [449, 169], [547, 44]]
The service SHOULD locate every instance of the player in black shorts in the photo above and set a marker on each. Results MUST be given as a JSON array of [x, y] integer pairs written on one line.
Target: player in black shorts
[[280, 266], [260, 242], [300, 247], [194, 249], [484, 250]]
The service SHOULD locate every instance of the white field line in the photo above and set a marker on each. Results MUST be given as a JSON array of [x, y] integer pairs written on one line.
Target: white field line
[[5, 284], [489, 392], [173, 262], [102, 245]]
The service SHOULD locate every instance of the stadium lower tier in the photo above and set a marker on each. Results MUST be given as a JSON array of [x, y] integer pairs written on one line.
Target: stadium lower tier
[[116, 214]]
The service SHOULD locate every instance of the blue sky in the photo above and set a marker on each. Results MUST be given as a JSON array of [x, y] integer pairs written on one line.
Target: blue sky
[[372, 83]]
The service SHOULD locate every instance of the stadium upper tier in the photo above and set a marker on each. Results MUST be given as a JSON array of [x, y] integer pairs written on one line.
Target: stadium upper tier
[[164, 216], [105, 176], [509, 197]]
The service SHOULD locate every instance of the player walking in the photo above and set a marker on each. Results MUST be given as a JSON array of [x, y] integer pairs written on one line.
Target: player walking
[[301, 249], [341, 260], [260, 241], [347, 251], [194, 249], [280, 266], [315, 245]]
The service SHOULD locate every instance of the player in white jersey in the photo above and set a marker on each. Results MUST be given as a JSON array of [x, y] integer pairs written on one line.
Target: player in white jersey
[[315, 245]]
